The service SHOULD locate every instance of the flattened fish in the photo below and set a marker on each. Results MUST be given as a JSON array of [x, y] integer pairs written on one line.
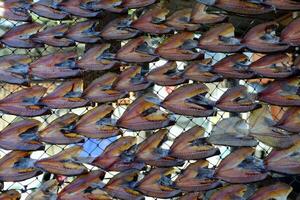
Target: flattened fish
[[275, 191], [49, 9], [181, 20], [16, 10], [60, 131], [84, 32], [190, 100], [21, 136], [192, 145], [47, 191], [145, 114], [98, 123], [229, 192], [25, 102]]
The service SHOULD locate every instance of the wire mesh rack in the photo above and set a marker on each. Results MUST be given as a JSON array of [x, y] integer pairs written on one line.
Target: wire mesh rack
[[94, 147]]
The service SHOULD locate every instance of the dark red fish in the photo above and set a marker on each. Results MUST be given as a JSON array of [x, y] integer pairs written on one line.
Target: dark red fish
[[85, 187], [192, 145], [20, 36], [49, 9], [201, 71], [57, 65], [66, 163], [229, 192], [60, 131], [25, 102], [158, 183], [132, 79], [84, 32], [190, 100], [74, 8], [238, 6], [273, 66], [114, 6], [290, 34], [10, 195], [237, 99], [145, 114], [16, 10], [98, 58], [274, 191], [166, 75], [192, 196], [197, 177], [150, 151], [290, 120], [17, 166], [54, 36], [14, 69], [263, 38], [137, 3], [47, 190], [200, 16], [119, 156], [21, 136], [282, 92], [98, 123], [123, 186], [232, 131], [66, 95], [101, 89], [137, 50], [181, 20], [283, 4], [233, 66], [241, 167], [220, 38], [153, 21], [284, 161], [119, 29], [181, 46]]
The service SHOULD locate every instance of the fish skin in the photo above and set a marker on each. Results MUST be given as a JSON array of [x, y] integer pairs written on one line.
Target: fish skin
[[9, 74], [73, 7], [10, 195], [283, 4], [8, 171], [101, 90], [129, 53], [47, 191], [112, 158], [84, 32], [136, 117], [183, 147], [137, 3], [91, 60], [237, 99], [53, 36], [211, 40], [254, 39], [276, 191], [122, 185], [178, 101], [290, 34], [147, 151], [15, 10], [114, 6], [229, 192], [289, 120], [229, 170], [150, 185], [172, 48], [161, 76], [14, 103], [146, 22], [115, 29], [58, 99], [11, 136], [44, 8], [54, 132], [181, 20], [47, 67], [88, 125], [64, 163], [200, 16], [192, 196], [19, 36]]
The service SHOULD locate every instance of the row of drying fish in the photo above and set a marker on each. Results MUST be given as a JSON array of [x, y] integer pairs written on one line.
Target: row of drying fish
[[18, 10], [126, 186], [219, 38], [20, 69], [239, 167]]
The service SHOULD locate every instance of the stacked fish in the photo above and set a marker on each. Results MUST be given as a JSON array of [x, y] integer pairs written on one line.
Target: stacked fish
[[147, 168]]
